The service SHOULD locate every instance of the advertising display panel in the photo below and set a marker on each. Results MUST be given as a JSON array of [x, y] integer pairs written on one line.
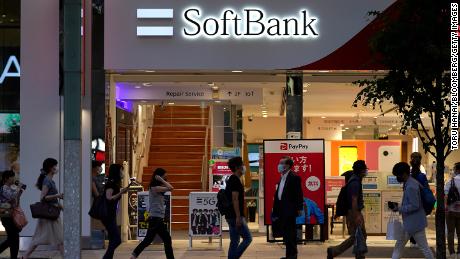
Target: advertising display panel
[[143, 214], [373, 212], [204, 217], [308, 156], [219, 175]]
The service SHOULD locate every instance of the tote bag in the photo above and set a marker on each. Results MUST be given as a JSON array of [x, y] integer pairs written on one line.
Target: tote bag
[[394, 228]]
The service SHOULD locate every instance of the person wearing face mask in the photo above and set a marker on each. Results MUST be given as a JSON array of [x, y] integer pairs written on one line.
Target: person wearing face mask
[[412, 211], [238, 227], [355, 204], [288, 204]]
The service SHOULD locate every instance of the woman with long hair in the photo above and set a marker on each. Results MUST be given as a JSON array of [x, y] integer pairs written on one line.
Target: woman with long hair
[[113, 193], [158, 186], [10, 195], [48, 232]]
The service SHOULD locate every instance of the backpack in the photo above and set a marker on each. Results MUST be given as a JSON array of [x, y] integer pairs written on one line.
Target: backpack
[[342, 206], [453, 195], [223, 204], [428, 199]]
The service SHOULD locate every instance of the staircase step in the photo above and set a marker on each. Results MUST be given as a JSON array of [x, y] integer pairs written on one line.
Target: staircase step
[[181, 128], [177, 142], [180, 217], [174, 169], [179, 210], [179, 226], [180, 121], [181, 114], [174, 162], [180, 202], [192, 149], [184, 178], [184, 192], [176, 155], [186, 184], [179, 134]]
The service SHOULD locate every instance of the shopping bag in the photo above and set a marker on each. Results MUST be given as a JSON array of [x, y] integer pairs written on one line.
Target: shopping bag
[[394, 227], [360, 246]]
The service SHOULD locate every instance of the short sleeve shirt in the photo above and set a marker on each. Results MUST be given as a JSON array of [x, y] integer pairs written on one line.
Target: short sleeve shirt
[[234, 185], [355, 188], [113, 204], [52, 190]]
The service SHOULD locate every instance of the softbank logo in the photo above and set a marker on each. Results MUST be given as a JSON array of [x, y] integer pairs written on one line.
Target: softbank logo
[[155, 14], [295, 147], [245, 23]]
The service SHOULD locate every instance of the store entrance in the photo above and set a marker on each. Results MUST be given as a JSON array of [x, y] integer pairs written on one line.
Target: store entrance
[[191, 123]]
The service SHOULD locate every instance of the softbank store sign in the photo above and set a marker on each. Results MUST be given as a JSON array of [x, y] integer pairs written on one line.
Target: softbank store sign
[[247, 23], [229, 35]]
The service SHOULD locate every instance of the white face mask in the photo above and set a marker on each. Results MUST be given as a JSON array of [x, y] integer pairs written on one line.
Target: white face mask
[[243, 169]]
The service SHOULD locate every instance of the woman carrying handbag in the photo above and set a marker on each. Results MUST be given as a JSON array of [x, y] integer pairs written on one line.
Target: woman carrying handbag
[[48, 231], [10, 195]]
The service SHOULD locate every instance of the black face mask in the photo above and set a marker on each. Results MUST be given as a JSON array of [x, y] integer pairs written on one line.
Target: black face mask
[[399, 178]]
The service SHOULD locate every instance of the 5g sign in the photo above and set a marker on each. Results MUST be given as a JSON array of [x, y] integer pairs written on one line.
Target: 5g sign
[[11, 69]]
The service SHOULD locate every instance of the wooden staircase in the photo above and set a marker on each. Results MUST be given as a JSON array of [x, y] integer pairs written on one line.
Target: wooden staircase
[[178, 145]]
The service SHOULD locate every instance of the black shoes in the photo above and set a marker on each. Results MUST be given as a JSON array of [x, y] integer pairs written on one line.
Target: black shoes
[[329, 253]]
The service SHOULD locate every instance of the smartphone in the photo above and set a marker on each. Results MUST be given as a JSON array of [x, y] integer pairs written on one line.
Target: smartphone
[[24, 187], [392, 205]]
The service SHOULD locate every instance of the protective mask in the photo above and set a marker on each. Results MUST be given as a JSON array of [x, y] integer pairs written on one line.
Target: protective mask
[[280, 168], [243, 169]]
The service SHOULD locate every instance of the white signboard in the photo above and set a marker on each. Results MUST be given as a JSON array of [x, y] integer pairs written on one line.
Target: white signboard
[[242, 95], [204, 217]]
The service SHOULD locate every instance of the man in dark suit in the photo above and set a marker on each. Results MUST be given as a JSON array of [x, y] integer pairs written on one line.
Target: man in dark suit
[[288, 204]]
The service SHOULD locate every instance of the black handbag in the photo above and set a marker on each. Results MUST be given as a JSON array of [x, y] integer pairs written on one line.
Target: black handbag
[[277, 227], [44, 210], [98, 209]]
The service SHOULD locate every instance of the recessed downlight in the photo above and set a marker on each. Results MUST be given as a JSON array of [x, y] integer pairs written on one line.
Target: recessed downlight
[[147, 84], [237, 71], [171, 103], [138, 87]]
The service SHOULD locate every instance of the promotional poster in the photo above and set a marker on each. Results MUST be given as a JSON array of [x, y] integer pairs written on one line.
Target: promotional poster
[[219, 175], [308, 156], [204, 217]]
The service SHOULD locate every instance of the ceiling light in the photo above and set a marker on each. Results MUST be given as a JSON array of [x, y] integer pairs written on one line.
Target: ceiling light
[[341, 125], [323, 71], [147, 84], [237, 71], [358, 127], [150, 71], [394, 125], [215, 88], [347, 128], [323, 117], [265, 116], [390, 129], [305, 90], [375, 117], [170, 103], [143, 101], [211, 84], [3, 15], [217, 101], [344, 130], [138, 87]]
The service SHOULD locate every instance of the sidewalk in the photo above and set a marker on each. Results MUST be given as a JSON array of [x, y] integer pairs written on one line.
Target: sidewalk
[[378, 248]]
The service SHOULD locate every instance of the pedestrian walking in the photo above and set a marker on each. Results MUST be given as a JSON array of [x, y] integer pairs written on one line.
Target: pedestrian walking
[[113, 193], [452, 191], [157, 188], [288, 205], [11, 196], [355, 205], [412, 211], [48, 232], [238, 227]]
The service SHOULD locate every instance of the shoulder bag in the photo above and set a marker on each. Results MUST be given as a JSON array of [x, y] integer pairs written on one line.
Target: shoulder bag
[[44, 210]]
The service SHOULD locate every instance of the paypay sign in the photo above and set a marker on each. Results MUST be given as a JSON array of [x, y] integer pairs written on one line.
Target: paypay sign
[[308, 157]]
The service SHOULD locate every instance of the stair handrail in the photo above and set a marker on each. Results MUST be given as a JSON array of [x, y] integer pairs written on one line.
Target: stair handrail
[[204, 162], [143, 144]]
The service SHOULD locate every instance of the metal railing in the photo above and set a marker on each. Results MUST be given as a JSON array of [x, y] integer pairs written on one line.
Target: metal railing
[[142, 146], [204, 162]]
